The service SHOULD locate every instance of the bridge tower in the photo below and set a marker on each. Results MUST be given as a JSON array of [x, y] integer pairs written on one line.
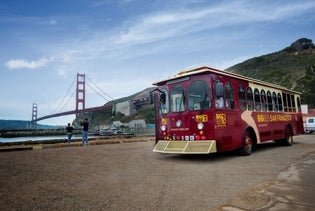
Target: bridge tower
[[34, 116], [34, 112], [80, 93]]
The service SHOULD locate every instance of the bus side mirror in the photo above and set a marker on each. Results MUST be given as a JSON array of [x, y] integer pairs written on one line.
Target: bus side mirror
[[162, 98], [218, 88]]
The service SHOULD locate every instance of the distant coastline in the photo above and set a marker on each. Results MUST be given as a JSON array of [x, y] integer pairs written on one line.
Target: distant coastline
[[23, 125]]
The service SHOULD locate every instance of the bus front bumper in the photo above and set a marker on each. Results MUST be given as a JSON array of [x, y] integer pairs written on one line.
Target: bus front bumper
[[186, 147]]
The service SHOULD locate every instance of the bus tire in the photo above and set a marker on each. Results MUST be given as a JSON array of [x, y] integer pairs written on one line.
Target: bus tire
[[288, 139], [248, 143]]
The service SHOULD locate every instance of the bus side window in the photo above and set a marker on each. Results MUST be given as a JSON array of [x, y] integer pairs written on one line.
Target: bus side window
[[293, 103], [263, 100], [289, 102], [249, 97], [299, 104], [218, 94], [257, 100], [241, 98], [269, 101], [229, 96], [285, 102], [280, 102], [274, 102]]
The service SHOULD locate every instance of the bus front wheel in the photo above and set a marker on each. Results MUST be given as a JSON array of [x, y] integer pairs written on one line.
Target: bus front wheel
[[247, 144]]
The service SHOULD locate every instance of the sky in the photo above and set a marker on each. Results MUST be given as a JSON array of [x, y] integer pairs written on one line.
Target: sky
[[123, 46]]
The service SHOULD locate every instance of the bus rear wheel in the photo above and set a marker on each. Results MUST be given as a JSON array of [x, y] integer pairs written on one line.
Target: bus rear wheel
[[247, 144], [288, 140]]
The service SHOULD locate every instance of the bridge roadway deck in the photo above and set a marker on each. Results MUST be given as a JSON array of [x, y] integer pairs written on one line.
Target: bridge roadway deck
[[99, 108]]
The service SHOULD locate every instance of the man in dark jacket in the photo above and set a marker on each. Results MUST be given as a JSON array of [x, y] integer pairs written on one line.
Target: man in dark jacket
[[69, 132], [85, 131]]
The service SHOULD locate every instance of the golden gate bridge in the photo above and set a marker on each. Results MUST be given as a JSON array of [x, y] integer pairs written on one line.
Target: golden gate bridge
[[79, 101]]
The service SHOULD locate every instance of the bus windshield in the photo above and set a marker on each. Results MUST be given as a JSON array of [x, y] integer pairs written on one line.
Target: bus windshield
[[163, 102], [178, 99], [199, 96]]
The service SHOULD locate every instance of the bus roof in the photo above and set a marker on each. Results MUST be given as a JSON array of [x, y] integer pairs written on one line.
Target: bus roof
[[205, 69]]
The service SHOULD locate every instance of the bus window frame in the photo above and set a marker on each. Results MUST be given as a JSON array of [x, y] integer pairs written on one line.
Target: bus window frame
[[269, 101], [250, 102], [264, 102], [280, 104], [242, 102], [218, 90], [257, 100], [229, 96]]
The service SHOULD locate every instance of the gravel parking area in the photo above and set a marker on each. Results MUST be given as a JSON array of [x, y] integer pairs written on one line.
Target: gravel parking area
[[129, 176]]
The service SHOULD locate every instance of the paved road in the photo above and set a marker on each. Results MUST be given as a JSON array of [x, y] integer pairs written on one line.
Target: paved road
[[291, 189], [129, 176]]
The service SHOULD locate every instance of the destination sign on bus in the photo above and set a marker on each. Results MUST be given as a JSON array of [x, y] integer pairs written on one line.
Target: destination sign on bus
[[273, 117]]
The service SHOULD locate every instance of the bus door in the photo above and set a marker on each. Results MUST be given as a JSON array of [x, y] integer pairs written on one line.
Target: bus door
[[178, 118], [225, 117]]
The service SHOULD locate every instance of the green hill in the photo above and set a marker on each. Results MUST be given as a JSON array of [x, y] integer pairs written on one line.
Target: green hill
[[22, 125], [292, 67]]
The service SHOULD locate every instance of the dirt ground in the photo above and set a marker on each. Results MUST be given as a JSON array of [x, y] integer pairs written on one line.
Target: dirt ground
[[72, 178], [129, 176]]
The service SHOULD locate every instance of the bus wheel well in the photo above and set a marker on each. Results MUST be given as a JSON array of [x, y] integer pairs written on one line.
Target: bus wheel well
[[288, 136], [253, 135], [290, 128], [249, 141]]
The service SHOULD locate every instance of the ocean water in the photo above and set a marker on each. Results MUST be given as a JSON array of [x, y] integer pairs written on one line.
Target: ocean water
[[37, 138]]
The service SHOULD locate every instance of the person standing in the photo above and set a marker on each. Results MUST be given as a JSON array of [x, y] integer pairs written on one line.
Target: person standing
[[85, 131], [69, 130]]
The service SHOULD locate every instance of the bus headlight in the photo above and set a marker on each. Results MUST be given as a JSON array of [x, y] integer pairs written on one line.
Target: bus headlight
[[163, 128], [179, 123], [200, 126]]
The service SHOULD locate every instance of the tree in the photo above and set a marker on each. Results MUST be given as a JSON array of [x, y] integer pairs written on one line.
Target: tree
[[302, 44]]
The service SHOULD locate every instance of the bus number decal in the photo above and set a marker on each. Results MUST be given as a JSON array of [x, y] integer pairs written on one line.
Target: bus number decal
[[202, 118], [220, 119]]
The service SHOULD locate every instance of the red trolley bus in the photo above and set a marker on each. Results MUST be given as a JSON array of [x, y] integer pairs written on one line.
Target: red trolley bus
[[205, 110]]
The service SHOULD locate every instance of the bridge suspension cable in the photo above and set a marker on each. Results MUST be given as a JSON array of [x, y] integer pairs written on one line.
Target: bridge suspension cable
[[65, 100], [102, 96], [62, 103]]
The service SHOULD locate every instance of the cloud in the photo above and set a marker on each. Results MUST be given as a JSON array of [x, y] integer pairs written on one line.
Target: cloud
[[53, 22], [163, 25], [22, 63]]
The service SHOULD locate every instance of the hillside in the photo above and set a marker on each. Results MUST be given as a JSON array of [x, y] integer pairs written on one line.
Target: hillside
[[22, 125], [292, 67], [107, 117]]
